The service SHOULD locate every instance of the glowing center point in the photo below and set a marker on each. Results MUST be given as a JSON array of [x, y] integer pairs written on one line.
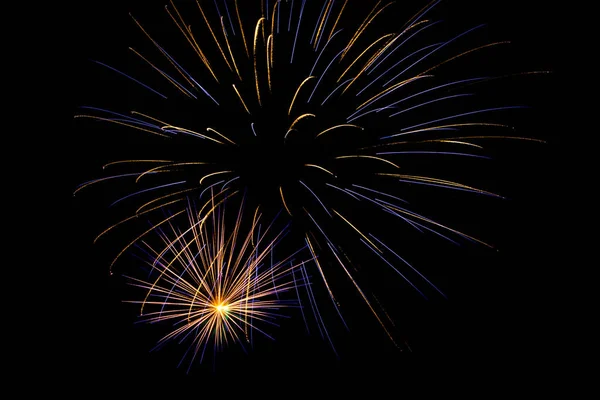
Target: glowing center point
[[222, 308]]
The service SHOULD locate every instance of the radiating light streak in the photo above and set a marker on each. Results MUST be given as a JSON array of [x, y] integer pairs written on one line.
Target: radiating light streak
[[258, 24], [187, 33], [300, 118], [377, 58], [320, 18], [380, 192], [385, 208], [290, 18], [146, 190], [161, 167], [441, 182], [214, 36], [338, 127], [385, 205], [140, 208], [323, 24], [445, 127], [182, 71], [241, 100], [446, 153], [324, 72], [311, 301], [499, 137], [220, 134], [121, 123], [229, 18], [356, 229], [209, 187], [414, 53], [337, 19], [316, 224], [415, 215], [365, 24], [211, 206], [127, 118], [269, 54], [150, 117], [336, 89], [365, 67], [297, 30], [362, 294], [312, 70], [361, 55], [409, 265], [422, 12], [287, 133], [463, 115], [133, 79], [386, 92], [134, 241], [343, 191], [213, 174], [394, 268], [448, 186], [134, 217], [296, 93], [278, 13], [432, 52], [465, 53], [237, 11], [254, 222], [229, 181], [369, 157], [296, 285], [218, 10], [177, 85], [431, 102], [316, 197], [412, 142], [189, 132], [283, 201], [317, 313], [237, 71], [133, 161], [86, 184], [320, 168], [274, 19], [372, 67], [331, 296]]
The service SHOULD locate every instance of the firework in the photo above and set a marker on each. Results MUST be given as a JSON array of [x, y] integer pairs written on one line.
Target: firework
[[214, 284], [317, 108]]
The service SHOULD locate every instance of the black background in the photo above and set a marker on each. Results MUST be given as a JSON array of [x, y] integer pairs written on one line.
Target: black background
[[502, 318]]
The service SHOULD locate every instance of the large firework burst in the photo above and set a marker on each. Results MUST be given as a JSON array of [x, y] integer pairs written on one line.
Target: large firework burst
[[318, 108]]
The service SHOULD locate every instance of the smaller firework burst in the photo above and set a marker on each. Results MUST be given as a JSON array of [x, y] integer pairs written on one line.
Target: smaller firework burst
[[214, 285]]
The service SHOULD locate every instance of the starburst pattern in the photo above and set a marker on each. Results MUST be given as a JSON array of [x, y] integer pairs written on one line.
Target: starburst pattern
[[316, 108], [215, 284]]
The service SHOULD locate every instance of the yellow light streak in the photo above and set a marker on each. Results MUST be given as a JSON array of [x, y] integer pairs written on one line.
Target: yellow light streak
[[339, 126], [241, 99], [298, 91], [370, 157], [283, 200]]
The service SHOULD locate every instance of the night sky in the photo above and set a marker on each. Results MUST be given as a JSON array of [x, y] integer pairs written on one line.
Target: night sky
[[498, 320]]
